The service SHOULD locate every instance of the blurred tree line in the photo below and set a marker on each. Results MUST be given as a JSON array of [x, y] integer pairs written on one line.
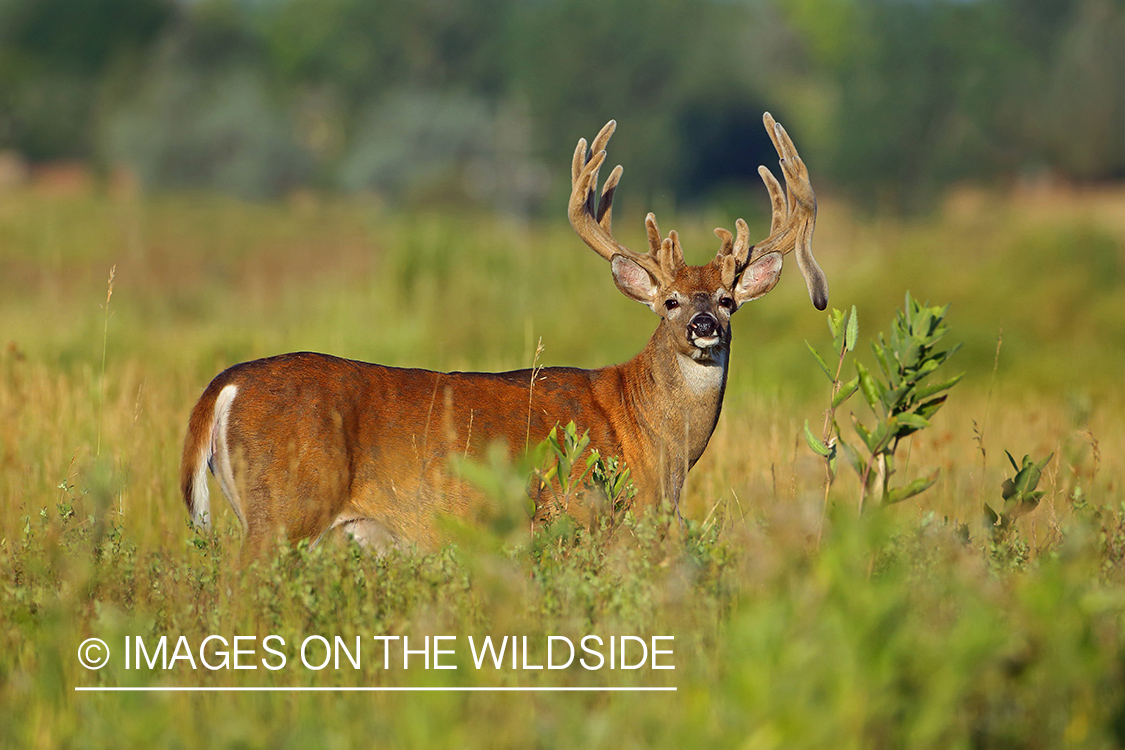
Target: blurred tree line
[[470, 100]]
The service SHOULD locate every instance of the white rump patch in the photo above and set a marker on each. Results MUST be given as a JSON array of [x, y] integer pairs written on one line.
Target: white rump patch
[[219, 449]]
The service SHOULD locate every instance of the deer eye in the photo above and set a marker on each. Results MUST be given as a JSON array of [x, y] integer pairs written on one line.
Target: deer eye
[[671, 303], [726, 303]]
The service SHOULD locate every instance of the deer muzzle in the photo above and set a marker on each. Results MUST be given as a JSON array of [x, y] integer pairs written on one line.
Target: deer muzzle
[[704, 331]]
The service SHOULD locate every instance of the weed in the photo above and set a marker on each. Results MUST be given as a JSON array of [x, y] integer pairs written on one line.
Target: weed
[[845, 331], [900, 399]]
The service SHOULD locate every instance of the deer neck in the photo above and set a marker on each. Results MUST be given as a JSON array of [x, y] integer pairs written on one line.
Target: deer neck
[[676, 397]]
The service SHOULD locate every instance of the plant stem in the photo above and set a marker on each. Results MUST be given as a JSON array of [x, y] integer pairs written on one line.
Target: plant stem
[[829, 422], [984, 419], [105, 339]]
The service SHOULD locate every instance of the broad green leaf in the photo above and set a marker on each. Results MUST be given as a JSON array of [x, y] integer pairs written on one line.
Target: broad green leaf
[[927, 367], [928, 409], [990, 516], [868, 385], [917, 486], [910, 423], [913, 420], [835, 319], [893, 399], [845, 392], [910, 355], [888, 368], [815, 443], [622, 484], [820, 361], [923, 393], [882, 435], [860, 430], [1028, 477], [856, 460], [852, 331], [1021, 488]]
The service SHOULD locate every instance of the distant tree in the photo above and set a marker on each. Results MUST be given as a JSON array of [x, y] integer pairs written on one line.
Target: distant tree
[[927, 93], [55, 56], [1080, 120], [892, 100]]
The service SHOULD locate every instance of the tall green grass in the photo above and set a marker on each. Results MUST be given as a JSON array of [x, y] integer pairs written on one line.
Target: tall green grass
[[908, 629]]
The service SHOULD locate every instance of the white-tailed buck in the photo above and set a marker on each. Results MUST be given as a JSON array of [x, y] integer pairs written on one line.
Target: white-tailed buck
[[308, 442]]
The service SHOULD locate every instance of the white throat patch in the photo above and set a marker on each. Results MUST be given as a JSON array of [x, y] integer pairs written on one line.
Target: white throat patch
[[703, 377]]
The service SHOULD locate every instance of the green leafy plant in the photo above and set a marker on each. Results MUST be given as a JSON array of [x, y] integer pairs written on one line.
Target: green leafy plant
[[1019, 494], [901, 400], [539, 489], [845, 331], [555, 458]]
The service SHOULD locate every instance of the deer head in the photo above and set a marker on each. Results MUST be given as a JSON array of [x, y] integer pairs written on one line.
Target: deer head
[[699, 300]]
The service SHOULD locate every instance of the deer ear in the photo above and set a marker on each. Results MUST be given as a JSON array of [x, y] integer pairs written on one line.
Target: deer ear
[[633, 281], [759, 277]]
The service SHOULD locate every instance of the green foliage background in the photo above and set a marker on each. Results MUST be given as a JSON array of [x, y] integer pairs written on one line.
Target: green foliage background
[[435, 100]]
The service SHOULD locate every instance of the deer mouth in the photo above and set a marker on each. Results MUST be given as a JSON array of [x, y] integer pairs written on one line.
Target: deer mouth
[[705, 347]]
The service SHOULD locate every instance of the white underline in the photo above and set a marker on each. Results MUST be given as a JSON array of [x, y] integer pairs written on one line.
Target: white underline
[[173, 689]]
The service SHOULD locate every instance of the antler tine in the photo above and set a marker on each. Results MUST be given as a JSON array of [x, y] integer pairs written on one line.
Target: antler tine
[[741, 248], [677, 250], [653, 234], [726, 240], [779, 206], [592, 219], [605, 208], [671, 255], [601, 140], [578, 161]]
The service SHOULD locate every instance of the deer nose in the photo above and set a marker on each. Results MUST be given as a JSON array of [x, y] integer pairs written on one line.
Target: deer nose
[[704, 325]]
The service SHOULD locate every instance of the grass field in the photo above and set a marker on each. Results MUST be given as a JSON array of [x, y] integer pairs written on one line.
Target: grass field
[[908, 628]]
